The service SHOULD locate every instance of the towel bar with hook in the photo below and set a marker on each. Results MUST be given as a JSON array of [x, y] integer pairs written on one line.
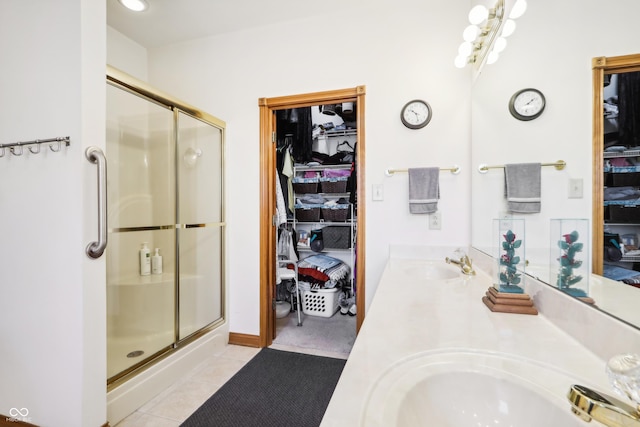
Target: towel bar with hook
[[454, 170], [559, 165], [17, 148]]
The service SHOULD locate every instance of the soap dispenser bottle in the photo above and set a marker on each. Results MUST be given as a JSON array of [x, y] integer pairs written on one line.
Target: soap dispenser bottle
[[145, 260], [156, 263]]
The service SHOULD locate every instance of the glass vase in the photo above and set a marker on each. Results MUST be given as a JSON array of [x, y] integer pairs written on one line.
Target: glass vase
[[509, 249], [569, 256]]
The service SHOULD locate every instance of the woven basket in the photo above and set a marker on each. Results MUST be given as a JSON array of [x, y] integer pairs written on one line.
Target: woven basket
[[336, 214], [333, 185], [307, 214], [305, 187]]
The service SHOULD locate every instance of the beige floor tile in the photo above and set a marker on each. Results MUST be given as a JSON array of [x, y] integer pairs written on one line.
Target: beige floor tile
[[183, 400], [138, 419], [240, 352], [217, 370]]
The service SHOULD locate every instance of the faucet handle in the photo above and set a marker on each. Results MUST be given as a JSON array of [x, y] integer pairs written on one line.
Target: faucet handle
[[624, 375]]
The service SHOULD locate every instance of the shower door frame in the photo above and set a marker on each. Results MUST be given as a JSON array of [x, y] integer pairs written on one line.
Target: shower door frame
[[141, 89]]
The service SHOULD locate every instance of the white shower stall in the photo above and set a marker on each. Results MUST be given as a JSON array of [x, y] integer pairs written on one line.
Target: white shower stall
[[164, 188]]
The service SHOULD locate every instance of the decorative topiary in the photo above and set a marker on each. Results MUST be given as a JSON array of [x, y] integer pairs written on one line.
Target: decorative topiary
[[568, 262], [509, 276]]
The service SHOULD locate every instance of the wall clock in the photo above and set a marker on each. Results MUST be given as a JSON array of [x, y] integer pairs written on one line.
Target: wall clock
[[416, 114], [527, 104]]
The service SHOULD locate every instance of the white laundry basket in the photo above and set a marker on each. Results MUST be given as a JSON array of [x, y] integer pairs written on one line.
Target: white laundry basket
[[320, 302]]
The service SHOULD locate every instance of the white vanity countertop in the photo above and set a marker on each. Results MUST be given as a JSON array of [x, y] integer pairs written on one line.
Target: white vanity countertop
[[411, 315]]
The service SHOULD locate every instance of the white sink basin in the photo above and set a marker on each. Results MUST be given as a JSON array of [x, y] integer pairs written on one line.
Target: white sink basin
[[466, 388]]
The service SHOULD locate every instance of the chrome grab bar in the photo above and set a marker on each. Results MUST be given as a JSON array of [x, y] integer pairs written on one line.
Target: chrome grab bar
[[95, 155]]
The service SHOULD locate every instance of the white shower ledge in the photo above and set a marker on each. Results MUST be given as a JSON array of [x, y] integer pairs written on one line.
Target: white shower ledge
[[413, 316]]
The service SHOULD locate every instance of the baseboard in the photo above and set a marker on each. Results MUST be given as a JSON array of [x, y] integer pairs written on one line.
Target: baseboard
[[244, 339]]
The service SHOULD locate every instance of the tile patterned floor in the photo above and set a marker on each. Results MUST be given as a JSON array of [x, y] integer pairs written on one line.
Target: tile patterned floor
[[174, 405]]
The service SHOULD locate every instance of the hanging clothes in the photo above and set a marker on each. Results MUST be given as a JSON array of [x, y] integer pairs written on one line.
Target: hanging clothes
[[281, 207], [287, 170], [629, 108]]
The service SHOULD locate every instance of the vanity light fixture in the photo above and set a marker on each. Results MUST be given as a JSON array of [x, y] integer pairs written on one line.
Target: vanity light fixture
[[135, 5], [486, 37]]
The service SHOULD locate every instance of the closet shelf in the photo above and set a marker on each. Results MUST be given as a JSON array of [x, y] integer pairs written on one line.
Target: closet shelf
[[346, 223], [319, 168], [617, 154], [341, 132], [325, 250]]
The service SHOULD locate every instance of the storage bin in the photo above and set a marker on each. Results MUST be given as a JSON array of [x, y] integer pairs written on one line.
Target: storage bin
[[305, 185], [337, 213], [333, 185], [624, 179], [336, 237], [320, 302], [307, 213], [621, 213]]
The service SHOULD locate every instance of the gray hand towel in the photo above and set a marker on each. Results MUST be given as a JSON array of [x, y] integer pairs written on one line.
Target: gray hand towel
[[423, 190], [522, 187]]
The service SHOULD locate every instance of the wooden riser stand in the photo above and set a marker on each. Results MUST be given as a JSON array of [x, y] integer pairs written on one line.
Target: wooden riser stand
[[504, 302]]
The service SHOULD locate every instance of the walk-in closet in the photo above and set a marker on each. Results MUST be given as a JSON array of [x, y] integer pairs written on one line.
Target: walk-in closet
[[316, 244]]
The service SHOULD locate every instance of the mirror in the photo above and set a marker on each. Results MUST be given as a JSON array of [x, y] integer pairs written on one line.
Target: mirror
[[560, 68]]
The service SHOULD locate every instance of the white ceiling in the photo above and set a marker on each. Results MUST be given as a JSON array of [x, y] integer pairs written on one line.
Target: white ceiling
[[171, 21]]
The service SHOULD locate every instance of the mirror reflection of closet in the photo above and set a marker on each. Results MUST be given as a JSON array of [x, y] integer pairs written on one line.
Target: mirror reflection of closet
[[616, 168]]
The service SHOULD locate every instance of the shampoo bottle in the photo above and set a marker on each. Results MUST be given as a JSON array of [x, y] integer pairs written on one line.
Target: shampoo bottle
[[145, 260], [156, 263]]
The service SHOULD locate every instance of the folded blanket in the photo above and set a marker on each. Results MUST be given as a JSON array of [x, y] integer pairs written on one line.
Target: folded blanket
[[522, 187], [423, 190]]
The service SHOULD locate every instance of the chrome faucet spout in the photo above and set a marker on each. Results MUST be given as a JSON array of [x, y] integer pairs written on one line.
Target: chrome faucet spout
[[589, 404]]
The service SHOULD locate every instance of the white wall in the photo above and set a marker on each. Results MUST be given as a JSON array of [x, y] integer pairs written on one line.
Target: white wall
[[558, 62], [126, 55], [398, 55], [52, 322]]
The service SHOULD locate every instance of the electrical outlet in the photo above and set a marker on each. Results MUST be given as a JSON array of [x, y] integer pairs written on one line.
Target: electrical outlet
[[575, 188], [378, 192], [435, 221]]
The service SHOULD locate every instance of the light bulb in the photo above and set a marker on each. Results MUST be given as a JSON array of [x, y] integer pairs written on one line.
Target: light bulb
[[518, 9], [500, 44], [460, 61], [508, 28], [478, 14], [492, 57], [135, 5], [470, 33], [465, 48]]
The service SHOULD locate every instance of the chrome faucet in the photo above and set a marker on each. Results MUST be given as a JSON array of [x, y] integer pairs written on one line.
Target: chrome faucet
[[624, 375], [465, 264]]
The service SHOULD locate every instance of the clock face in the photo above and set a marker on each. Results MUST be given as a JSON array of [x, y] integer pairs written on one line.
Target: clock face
[[415, 114], [527, 104]]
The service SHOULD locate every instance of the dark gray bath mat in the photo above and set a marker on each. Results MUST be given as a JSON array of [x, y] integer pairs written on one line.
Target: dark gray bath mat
[[274, 389]]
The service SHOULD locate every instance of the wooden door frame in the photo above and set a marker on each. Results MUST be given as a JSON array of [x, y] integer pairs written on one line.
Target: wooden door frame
[[268, 106], [601, 66]]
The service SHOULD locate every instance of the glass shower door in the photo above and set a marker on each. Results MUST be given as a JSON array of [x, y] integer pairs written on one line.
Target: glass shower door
[[140, 208], [200, 224]]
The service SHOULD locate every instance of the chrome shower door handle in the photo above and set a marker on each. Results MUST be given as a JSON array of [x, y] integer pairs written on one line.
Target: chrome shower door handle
[[95, 155]]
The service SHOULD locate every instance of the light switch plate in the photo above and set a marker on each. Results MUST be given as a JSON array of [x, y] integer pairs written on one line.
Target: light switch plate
[[378, 192], [575, 188]]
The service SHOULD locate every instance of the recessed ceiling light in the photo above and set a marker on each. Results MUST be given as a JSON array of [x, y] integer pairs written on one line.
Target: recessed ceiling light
[[135, 5]]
